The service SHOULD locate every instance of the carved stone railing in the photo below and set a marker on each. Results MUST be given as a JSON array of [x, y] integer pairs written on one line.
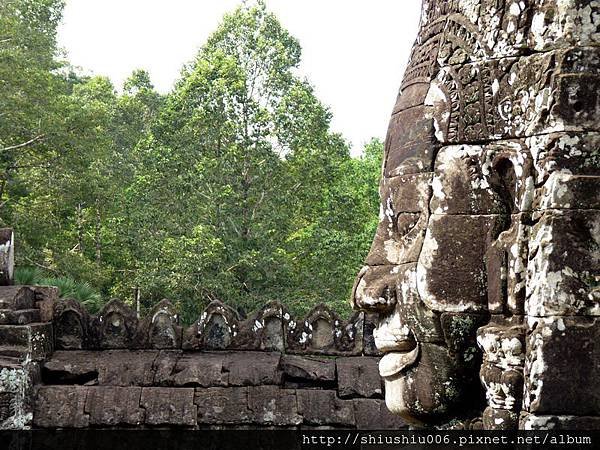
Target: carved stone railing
[[219, 327], [61, 367]]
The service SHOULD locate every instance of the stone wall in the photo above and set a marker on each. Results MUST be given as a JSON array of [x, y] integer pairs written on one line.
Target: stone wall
[[61, 367]]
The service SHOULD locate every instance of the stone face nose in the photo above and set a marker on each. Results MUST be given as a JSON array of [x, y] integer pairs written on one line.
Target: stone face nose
[[374, 290]]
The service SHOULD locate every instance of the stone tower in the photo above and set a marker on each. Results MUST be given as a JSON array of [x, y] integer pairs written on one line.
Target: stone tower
[[484, 273]]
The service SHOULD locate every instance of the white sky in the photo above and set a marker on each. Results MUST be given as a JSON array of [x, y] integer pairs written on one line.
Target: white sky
[[354, 51]]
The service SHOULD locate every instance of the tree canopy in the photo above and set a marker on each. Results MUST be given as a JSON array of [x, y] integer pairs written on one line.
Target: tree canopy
[[232, 186]]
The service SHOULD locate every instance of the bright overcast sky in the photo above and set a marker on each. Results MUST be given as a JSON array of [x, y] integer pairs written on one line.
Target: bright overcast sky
[[354, 51]]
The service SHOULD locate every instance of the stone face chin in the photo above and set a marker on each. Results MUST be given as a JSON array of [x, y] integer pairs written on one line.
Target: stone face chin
[[394, 398]]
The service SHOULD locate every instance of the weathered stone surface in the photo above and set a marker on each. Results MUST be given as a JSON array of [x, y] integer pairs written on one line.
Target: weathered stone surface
[[358, 377], [451, 274], [557, 422], [271, 405], [263, 330], [506, 267], [71, 323], [325, 408], [16, 297], [7, 256], [164, 367], [201, 369], [369, 347], [564, 264], [71, 367], [223, 406], [410, 150], [169, 406], [19, 317], [564, 24], [459, 334], [402, 219], [566, 191], [500, 419], [254, 369], [323, 332], [574, 153], [510, 97], [33, 340], [17, 380], [110, 368], [160, 329], [562, 357], [430, 384], [45, 298], [114, 406], [214, 330], [61, 406], [309, 369], [126, 368], [372, 414], [115, 326]]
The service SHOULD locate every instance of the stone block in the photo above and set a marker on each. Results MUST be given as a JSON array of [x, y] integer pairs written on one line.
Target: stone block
[[45, 298], [574, 153], [411, 149], [271, 405], [61, 407], [222, 406], [19, 317], [108, 368], [201, 370], [164, 367], [456, 245], [563, 24], [110, 406], [126, 368], [566, 191], [358, 377], [16, 297], [325, 408], [253, 369], [308, 369], [563, 269], [70, 367], [402, 219], [466, 180], [17, 381], [372, 414], [169, 406], [562, 366], [34, 340]]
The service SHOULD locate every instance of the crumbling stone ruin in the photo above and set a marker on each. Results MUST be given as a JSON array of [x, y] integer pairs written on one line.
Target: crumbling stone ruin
[[489, 233], [61, 367]]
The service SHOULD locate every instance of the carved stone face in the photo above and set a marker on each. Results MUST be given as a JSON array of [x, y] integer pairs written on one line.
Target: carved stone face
[[489, 220]]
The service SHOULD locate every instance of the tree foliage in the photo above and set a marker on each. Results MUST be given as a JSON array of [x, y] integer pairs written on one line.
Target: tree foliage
[[231, 187]]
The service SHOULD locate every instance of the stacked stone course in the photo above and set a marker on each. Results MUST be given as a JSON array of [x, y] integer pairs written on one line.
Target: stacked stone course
[[61, 367]]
